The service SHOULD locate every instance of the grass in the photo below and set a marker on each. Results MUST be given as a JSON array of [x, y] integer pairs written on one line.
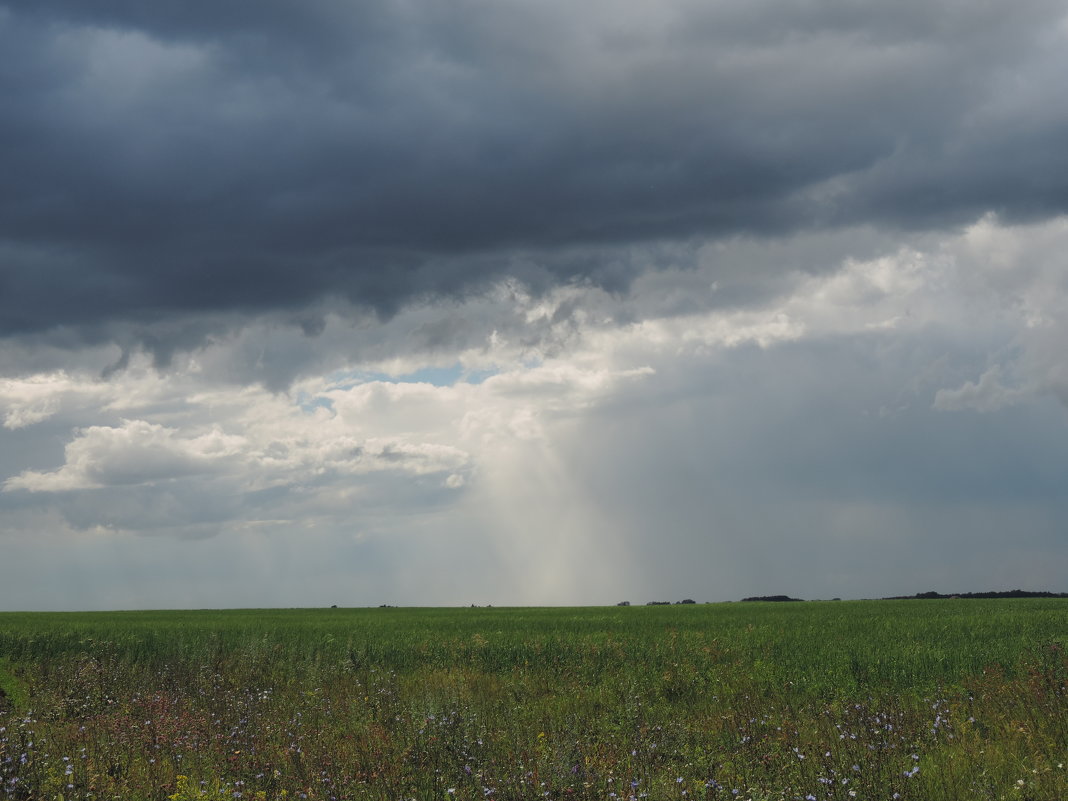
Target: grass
[[930, 700], [13, 691]]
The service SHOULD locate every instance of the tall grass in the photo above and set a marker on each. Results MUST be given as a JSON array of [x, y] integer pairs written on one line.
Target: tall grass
[[838, 700]]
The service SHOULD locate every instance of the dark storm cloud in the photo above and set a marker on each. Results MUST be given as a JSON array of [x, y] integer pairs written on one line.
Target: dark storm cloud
[[167, 158]]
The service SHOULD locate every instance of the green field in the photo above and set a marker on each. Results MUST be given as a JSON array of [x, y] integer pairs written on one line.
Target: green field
[[923, 700]]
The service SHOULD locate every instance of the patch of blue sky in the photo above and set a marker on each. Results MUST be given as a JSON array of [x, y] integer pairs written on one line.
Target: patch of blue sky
[[347, 379], [309, 403], [445, 376], [437, 376], [478, 376]]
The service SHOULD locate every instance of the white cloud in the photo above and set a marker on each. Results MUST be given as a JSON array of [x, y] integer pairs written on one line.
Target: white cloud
[[137, 452], [35, 398], [988, 394]]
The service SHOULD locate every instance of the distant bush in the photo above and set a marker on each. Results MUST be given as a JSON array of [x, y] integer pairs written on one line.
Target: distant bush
[[771, 598]]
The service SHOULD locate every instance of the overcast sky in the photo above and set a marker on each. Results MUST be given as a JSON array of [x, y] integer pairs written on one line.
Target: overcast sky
[[433, 302]]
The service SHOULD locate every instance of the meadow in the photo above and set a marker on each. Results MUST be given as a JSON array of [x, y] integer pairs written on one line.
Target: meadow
[[821, 701]]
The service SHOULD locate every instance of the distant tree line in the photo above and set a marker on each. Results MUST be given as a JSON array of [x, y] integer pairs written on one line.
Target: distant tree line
[[1004, 594], [932, 595]]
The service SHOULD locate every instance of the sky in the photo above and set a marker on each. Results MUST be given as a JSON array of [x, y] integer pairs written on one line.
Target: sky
[[535, 302]]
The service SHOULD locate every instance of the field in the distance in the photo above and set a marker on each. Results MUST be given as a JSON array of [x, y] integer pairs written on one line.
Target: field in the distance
[[924, 700]]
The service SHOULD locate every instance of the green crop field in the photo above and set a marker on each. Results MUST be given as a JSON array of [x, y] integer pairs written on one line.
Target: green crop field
[[922, 700]]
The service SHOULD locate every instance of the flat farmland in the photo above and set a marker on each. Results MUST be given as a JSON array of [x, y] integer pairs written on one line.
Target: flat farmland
[[923, 700]]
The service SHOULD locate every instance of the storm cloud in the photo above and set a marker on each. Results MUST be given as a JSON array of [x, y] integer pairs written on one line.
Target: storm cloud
[[172, 158]]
